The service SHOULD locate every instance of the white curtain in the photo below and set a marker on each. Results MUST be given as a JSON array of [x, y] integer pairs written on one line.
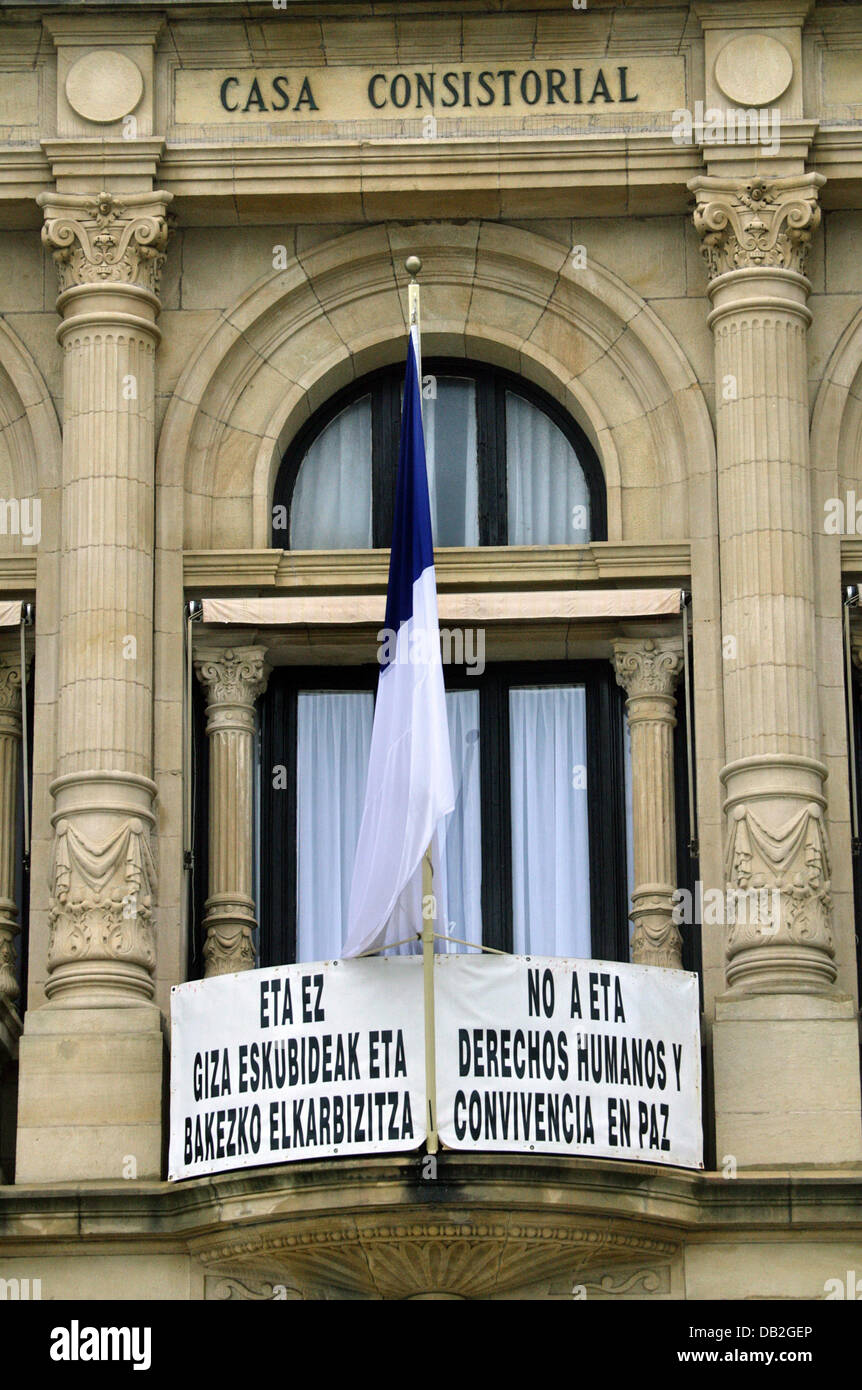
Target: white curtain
[[457, 848], [333, 743], [450, 449], [331, 507], [549, 501], [550, 838]]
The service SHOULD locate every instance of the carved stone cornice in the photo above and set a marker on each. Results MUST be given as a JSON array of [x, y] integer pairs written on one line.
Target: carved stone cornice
[[756, 223], [106, 238], [411, 1255], [648, 666]]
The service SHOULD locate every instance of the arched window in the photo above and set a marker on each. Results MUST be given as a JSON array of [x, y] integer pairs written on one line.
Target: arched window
[[506, 465]]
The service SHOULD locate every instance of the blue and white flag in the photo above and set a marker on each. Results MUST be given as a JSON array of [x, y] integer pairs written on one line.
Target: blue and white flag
[[410, 785]]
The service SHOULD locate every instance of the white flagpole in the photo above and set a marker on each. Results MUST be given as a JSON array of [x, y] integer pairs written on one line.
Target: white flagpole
[[413, 265]]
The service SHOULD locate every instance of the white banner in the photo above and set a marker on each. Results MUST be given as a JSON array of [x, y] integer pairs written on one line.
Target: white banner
[[534, 1055], [301, 1061], [545, 1055]]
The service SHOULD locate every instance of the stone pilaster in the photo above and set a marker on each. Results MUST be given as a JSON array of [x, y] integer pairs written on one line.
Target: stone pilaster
[[755, 239], [233, 677], [648, 670], [10, 747], [94, 1056]]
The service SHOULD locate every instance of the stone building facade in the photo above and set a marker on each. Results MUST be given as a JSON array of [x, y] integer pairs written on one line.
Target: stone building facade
[[649, 213]]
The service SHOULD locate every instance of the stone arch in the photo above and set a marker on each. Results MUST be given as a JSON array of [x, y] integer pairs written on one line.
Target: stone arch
[[30, 444], [493, 293], [836, 422]]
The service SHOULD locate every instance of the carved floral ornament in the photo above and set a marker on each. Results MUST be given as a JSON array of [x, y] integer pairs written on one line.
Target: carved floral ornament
[[10, 683], [648, 666], [756, 223], [234, 675], [106, 238]]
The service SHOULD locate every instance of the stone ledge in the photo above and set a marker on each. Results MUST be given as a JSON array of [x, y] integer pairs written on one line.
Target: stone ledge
[[618, 563], [486, 1226], [768, 1199]]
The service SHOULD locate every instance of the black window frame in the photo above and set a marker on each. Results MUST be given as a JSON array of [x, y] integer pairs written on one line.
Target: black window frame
[[384, 387], [605, 717]]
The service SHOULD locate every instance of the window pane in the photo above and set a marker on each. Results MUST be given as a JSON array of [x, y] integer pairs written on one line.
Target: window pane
[[550, 837], [333, 743], [450, 450], [630, 836], [331, 507], [549, 501], [457, 852], [459, 887]]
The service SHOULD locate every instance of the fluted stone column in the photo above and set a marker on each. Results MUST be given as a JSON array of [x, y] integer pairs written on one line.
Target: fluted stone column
[[10, 747], [233, 677], [783, 1037], [648, 670], [108, 250]]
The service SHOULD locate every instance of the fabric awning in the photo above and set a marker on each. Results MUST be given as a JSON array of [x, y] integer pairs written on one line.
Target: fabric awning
[[538, 605], [10, 614]]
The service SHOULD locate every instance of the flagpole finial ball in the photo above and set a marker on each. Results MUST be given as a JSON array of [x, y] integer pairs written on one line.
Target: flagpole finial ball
[[413, 265]]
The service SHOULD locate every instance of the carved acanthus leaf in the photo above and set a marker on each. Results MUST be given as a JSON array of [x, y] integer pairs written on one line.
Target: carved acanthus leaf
[[756, 223], [106, 238], [648, 666], [234, 675]]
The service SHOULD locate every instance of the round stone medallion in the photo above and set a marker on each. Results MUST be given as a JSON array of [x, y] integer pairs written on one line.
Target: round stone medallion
[[104, 86], [753, 69]]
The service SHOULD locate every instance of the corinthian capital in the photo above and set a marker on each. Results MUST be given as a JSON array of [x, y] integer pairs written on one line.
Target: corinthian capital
[[756, 223], [106, 238], [10, 682], [648, 665], [233, 675]]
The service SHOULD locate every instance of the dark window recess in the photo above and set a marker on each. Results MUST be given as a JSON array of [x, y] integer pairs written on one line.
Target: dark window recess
[[605, 788], [384, 387], [687, 864], [857, 856], [198, 886], [22, 869]]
